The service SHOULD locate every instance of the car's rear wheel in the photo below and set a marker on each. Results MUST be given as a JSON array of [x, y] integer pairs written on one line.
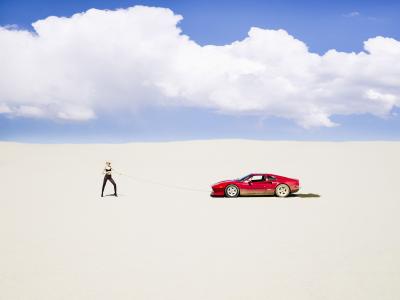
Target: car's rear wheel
[[282, 190], [231, 191]]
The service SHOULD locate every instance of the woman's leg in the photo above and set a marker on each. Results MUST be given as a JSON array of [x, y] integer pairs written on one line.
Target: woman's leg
[[104, 184], [115, 186]]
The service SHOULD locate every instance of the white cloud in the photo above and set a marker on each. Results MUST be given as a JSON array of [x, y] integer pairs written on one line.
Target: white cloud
[[4, 108], [102, 61], [29, 111], [76, 113], [352, 14]]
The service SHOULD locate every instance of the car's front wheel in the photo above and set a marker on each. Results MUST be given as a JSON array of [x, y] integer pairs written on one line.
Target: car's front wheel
[[282, 190], [231, 191]]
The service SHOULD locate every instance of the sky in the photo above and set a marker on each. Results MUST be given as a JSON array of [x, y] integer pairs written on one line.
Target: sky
[[181, 70]]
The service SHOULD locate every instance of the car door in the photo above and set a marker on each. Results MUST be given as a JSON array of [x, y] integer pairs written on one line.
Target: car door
[[258, 185]]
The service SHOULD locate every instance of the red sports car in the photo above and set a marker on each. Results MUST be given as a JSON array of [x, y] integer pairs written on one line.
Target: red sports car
[[256, 184]]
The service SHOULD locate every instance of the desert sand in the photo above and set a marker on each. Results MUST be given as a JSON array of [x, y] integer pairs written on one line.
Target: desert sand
[[60, 240]]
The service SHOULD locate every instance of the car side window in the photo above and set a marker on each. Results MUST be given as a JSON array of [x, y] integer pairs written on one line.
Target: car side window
[[256, 178], [271, 178]]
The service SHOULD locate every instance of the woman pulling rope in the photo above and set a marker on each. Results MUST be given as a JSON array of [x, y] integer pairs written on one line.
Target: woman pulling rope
[[107, 176]]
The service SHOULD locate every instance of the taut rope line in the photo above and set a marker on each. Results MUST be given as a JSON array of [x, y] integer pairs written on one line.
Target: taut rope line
[[163, 184]]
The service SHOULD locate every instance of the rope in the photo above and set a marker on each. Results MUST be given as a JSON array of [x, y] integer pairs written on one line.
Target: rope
[[163, 184]]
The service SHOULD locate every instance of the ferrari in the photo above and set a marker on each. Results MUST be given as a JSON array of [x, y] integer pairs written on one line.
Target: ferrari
[[256, 184]]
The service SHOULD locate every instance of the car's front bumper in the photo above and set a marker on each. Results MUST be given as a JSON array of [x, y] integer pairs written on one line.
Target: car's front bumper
[[217, 193]]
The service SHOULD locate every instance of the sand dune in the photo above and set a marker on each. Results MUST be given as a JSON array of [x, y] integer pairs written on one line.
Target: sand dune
[[60, 240]]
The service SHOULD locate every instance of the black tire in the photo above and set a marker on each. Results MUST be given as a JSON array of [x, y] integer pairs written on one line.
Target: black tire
[[282, 190], [232, 191]]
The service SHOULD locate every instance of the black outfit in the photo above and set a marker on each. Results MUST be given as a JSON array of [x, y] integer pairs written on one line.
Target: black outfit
[[108, 177]]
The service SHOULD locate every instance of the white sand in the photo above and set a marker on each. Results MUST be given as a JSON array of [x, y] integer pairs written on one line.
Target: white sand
[[60, 240]]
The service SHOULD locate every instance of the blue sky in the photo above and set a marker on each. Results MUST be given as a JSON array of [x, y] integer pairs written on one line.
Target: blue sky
[[322, 25]]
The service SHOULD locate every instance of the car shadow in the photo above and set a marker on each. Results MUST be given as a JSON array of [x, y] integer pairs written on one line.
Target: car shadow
[[308, 195], [297, 195]]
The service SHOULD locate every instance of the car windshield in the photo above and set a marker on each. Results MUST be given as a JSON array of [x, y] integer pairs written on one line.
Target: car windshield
[[245, 177]]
